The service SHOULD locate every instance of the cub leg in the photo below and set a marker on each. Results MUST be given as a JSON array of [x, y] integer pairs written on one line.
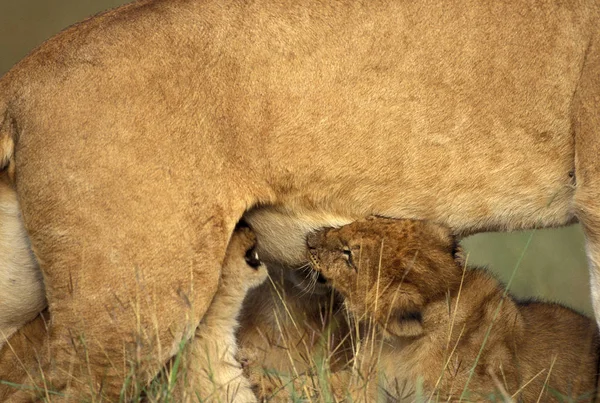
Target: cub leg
[[210, 369]]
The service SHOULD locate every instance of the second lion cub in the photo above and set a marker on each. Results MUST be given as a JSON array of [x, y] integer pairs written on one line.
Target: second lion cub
[[452, 329]]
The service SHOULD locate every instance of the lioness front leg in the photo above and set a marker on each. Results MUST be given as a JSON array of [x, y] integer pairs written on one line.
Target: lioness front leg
[[211, 371]]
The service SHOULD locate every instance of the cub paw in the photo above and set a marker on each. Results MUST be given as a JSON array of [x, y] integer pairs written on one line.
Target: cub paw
[[242, 240]]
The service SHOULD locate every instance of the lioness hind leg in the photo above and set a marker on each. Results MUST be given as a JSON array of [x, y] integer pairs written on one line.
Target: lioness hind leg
[[118, 314], [586, 117]]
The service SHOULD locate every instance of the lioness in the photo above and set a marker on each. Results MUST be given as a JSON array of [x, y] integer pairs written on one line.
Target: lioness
[[452, 328], [139, 137]]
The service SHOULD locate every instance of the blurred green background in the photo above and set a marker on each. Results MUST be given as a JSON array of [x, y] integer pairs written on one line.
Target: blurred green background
[[553, 266]]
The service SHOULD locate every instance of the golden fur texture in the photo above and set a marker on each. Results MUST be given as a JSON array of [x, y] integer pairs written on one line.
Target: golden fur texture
[[431, 318], [142, 135], [211, 371]]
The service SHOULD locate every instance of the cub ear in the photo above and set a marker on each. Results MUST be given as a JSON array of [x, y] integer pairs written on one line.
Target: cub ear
[[459, 255], [447, 236], [456, 249], [405, 324]]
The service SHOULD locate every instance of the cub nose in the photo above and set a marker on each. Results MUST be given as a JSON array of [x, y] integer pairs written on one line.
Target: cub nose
[[313, 239]]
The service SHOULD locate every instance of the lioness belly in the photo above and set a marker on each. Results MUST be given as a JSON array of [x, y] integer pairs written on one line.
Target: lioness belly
[[515, 195], [468, 124]]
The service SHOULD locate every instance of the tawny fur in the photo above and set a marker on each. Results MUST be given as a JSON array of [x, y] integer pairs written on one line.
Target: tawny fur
[[142, 135], [210, 369], [431, 316]]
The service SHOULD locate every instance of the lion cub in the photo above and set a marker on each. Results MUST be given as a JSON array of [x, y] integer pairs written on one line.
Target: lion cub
[[284, 328], [210, 369], [431, 317]]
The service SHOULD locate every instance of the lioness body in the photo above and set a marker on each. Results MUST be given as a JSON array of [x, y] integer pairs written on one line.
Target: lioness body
[[451, 328], [142, 135]]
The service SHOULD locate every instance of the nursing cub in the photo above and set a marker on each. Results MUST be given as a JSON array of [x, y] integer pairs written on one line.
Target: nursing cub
[[448, 330]]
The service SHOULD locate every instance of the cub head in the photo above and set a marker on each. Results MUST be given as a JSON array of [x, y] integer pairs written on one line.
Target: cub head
[[388, 270]]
